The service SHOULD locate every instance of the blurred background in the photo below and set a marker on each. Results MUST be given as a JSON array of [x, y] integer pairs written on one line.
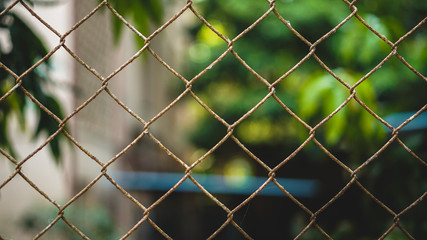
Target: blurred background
[[230, 173]]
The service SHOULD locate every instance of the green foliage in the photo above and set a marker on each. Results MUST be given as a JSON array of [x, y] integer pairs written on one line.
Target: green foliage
[[24, 40], [353, 135], [142, 13], [271, 49], [272, 40], [322, 94]]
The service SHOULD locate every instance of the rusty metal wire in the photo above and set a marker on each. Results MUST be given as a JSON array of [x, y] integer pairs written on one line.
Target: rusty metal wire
[[146, 209]]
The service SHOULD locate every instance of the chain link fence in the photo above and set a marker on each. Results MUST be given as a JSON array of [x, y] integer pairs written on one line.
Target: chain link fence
[[187, 168]]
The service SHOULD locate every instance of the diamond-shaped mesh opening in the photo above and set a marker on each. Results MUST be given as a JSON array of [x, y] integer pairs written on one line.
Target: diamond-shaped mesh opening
[[37, 21], [146, 230], [204, 58], [212, 125], [160, 89], [162, 47], [90, 216], [106, 119], [23, 212], [87, 83], [149, 154], [272, 214], [59, 229], [410, 142], [224, 96], [410, 45], [8, 82], [236, 18], [372, 220], [282, 42], [230, 232], [367, 51], [178, 205], [41, 157], [95, 35], [387, 168], [410, 218], [296, 14], [255, 138], [401, 77], [315, 188], [384, 14], [367, 132]]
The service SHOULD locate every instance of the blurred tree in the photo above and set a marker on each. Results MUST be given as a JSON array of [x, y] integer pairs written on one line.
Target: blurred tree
[[20, 53], [141, 13], [353, 134]]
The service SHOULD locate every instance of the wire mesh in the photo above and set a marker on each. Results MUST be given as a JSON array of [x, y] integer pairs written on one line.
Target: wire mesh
[[230, 135]]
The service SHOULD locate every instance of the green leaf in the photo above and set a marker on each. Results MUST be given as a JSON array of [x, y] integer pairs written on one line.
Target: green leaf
[[50, 125], [155, 10], [140, 17], [367, 124], [311, 93], [123, 8], [335, 126], [141, 12], [3, 129], [4, 140], [55, 148], [21, 35]]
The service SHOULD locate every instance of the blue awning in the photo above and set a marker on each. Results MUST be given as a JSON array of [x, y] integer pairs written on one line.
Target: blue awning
[[160, 181], [395, 119]]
